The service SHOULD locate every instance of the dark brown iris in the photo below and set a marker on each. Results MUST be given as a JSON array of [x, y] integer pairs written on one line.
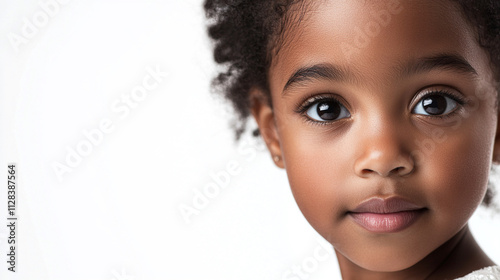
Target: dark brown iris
[[328, 110], [434, 104]]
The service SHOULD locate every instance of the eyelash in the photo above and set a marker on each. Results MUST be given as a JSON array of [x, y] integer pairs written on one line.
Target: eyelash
[[313, 99], [303, 106]]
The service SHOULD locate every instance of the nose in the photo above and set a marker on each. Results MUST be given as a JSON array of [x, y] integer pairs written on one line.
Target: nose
[[383, 153]]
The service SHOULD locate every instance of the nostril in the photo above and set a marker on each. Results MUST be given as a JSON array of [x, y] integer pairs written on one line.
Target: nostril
[[398, 170], [401, 171], [368, 171]]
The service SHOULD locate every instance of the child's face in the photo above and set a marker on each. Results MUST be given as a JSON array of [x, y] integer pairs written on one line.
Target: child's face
[[383, 99]]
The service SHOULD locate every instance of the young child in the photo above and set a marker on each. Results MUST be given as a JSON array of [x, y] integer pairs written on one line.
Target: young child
[[383, 114]]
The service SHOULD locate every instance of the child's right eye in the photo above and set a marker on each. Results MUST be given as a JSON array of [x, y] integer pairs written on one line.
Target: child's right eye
[[325, 110]]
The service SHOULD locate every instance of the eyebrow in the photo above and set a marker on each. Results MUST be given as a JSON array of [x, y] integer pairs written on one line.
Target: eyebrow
[[446, 62], [324, 71], [327, 71]]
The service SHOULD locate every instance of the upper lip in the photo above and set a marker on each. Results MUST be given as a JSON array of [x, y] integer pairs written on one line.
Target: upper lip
[[386, 205]]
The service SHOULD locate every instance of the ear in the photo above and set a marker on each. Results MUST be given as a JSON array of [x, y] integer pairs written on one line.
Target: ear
[[264, 116]]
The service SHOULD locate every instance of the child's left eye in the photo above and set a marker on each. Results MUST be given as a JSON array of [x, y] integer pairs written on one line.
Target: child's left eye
[[435, 104]]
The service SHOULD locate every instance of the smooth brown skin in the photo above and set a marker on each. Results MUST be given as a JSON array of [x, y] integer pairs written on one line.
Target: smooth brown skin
[[334, 166]]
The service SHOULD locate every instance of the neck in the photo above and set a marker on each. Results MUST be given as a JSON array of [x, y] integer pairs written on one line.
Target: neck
[[457, 257]]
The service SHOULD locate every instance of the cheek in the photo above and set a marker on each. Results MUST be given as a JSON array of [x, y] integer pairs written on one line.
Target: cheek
[[317, 173], [456, 175]]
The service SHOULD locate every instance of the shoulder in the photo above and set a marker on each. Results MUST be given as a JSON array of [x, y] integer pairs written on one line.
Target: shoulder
[[491, 272]]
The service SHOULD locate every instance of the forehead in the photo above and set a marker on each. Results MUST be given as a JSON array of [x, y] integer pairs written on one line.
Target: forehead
[[373, 37]]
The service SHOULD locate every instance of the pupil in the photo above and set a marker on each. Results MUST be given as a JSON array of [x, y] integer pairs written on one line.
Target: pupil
[[435, 105], [328, 110]]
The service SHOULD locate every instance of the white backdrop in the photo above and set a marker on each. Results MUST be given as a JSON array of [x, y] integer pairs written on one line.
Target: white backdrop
[[106, 110]]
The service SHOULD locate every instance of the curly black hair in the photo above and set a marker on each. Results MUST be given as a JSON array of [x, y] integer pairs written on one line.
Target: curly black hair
[[244, 32], [247, 33]]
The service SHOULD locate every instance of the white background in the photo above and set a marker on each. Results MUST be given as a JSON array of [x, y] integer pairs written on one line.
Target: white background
[[116, 214]]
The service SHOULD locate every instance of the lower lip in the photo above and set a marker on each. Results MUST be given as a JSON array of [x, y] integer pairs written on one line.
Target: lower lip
[[387, 222]]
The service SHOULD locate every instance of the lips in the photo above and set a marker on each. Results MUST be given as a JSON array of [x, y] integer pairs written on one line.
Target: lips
[[390, 215]]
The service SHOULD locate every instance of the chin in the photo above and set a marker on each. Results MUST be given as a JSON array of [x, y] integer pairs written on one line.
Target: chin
[[389, 261]]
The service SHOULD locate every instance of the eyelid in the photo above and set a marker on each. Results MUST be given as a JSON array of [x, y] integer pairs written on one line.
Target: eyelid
[[307, 102]]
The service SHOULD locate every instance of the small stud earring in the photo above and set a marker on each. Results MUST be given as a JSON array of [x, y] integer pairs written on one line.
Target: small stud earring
[[277, 158]]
